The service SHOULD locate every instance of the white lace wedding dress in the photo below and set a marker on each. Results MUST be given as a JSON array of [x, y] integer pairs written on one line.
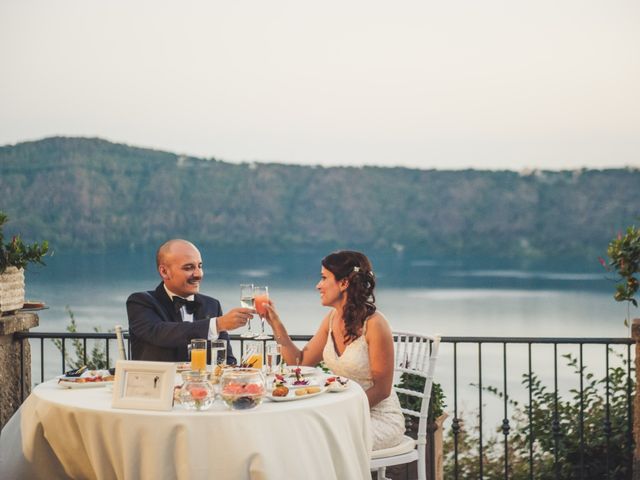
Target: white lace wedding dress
[[387, 421]]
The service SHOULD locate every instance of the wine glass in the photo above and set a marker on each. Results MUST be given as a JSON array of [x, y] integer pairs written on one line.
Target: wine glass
[[246, 301], [261, 297]]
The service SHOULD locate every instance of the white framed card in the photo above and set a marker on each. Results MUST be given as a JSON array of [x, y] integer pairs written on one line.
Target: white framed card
[[143, 385]]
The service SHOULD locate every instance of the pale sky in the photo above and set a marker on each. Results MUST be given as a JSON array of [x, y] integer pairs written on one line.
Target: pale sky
[[548, 84]]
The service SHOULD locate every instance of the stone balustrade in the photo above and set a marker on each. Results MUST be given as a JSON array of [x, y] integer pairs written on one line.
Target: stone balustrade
[[13, 354]]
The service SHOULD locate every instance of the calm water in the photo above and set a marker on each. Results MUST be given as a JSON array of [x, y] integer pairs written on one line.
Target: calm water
[[422, 295]]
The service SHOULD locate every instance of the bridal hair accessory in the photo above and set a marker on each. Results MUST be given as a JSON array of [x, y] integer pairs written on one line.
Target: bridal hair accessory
[[356, 269]]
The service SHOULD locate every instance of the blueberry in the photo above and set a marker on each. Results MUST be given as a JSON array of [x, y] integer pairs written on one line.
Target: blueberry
[[242, 403]]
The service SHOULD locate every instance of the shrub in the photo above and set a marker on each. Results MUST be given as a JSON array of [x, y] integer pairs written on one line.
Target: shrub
[[605, 432], [97, 360]]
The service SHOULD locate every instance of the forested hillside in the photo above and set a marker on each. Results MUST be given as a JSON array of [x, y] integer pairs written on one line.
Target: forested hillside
[[91, 194]]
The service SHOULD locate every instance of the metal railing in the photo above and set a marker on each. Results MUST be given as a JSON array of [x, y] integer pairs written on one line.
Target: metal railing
[[503, 359], [107, 338], [587, 386]]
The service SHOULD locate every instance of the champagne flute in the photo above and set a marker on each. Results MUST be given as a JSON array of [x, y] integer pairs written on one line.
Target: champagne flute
[[261, 297], [246, 301]]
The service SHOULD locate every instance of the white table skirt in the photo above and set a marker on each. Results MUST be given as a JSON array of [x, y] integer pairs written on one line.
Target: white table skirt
[[60, 433]]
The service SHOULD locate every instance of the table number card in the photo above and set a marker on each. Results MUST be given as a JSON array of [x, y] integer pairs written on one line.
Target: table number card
[[143, 385]]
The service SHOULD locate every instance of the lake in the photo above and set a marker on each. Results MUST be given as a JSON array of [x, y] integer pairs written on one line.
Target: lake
[[421, 294]]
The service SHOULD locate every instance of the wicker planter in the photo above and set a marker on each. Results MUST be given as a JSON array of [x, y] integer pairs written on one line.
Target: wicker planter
[[11, 289]]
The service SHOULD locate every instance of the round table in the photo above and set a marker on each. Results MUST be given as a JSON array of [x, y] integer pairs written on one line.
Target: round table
[[75, 433]]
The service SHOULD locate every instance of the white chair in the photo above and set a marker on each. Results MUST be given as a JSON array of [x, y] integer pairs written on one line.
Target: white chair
[[415, 355]]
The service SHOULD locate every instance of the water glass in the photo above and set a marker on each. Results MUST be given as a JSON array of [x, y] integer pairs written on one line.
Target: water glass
[[274, 357], [218, 352]]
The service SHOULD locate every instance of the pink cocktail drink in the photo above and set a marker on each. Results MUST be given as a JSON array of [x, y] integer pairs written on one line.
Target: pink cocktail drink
[[260, 301]]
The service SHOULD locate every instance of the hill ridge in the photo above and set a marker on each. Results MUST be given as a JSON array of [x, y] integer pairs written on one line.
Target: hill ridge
[[92, 194]]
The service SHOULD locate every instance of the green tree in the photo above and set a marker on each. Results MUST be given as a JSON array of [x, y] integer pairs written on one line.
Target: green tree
[[624, 254]]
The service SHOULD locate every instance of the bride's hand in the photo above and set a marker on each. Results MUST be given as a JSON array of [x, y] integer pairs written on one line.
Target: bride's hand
[[271, 315]]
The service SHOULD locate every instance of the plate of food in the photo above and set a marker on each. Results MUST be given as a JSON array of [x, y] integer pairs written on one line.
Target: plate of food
[[87, 379], [183, 366], [304, 370], [294, 381], [336, 384], [284, 394]]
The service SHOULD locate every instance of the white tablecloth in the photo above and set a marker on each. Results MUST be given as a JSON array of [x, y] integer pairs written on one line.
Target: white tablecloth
[[61, 433]]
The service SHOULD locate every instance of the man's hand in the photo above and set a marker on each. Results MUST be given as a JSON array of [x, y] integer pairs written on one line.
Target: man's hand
[[234, 318]]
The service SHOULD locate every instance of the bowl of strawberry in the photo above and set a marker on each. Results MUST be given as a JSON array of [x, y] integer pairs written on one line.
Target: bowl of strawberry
[[242, 388]]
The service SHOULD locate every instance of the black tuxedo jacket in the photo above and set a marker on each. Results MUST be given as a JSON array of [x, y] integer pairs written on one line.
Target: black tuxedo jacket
[[157, 331]]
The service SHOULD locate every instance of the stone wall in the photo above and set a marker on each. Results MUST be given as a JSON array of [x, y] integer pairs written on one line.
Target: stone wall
[[10, 352]]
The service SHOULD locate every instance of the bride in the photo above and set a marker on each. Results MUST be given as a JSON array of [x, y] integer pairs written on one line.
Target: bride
[[354, 340]]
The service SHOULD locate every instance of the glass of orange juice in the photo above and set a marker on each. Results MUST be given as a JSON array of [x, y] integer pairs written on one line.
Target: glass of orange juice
[[260, 298], [198, 348]]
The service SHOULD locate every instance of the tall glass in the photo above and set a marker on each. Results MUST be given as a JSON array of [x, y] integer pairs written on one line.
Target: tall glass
[[198, 349], [274, 357], [218, 352], [252, 354], [247, 301], [261, 297]]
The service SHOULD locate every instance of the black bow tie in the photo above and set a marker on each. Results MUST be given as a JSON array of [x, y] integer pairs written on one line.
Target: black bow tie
[[179, 302]]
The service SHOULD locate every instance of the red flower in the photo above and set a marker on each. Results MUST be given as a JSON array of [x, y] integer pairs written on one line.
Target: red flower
[[198, 393]]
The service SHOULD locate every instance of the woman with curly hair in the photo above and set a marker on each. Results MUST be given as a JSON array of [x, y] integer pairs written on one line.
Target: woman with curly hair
[[354, 340]]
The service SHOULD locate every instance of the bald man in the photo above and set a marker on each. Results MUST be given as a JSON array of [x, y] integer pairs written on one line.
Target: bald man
[[163, 321]]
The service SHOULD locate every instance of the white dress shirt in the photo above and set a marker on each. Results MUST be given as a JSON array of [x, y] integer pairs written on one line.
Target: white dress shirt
[[188, 317]]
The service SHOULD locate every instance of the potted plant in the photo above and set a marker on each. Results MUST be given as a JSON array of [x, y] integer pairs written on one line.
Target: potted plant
[[14, 257], [624, 255]]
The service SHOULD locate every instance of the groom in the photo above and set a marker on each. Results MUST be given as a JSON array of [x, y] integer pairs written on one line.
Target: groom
[[163, 321]]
